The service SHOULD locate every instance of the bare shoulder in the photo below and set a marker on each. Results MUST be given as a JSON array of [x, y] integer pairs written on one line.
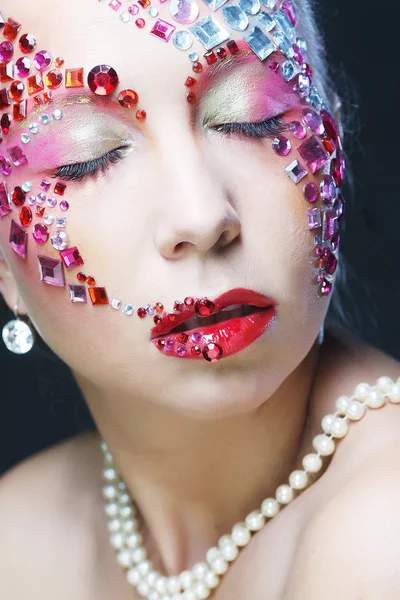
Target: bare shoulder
[[46, 509]]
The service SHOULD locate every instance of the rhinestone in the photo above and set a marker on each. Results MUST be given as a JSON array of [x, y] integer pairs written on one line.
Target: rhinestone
[[48, 219], [57, 114], [310, 192], [181, 351], [283, 44], [193, 57], [328, 189], [115, 4], [64, 205], [259, 43], [169, 345], [295, 171], [133, 9], [125, 17], [313, 120], [141, 313], [44, 119], [59, 61], [6, 51], [288, 70], [33, 128], [190, 82], [35, 84], [5, 203], [18, 196], [116, 304], [71, 257], [209, 32], [7, 72], [51, 202], [212, 352], [11, 29], [284, 23], [271, 4], [5, 165], [77, 293], [197, 67], [59, 240], [40, 233], [45, 185], [184, 11], [20, 110], [204, 307], [182, 40], [16, 90], [17, 336], [98, 295], [163, 30], [40, 198], [40, 211], [81, 277], [4, 99], [298, 130], [53, 79], [314, 218], [251, 7], [27, 186], [313, 153], [265, 21], [210, 57], [25, 216], [329, 224], [74, 78], [103, 80], [153, 12], [18, 238], [60, 188], [140, 23], [61, 221], [42, 60], [235, 17], [90, 280], [150, 309], [23, 67], [128, 98], [128, 309], [196, 337], [51, 271], [18, 158], [281, 145], [214, 4], [25, 139]]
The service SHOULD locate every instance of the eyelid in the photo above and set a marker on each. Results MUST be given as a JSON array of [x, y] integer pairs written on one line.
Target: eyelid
[[79, 170]]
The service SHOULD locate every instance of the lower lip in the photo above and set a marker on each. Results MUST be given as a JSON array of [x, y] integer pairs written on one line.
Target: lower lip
[[232, 336]]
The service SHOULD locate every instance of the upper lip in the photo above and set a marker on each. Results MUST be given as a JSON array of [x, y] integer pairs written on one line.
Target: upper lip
[[225, 300]]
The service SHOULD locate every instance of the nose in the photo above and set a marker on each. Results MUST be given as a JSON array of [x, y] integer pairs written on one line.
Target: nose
[[197, 215]]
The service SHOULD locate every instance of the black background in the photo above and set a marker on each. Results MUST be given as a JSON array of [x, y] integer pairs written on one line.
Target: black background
[[39, 405]]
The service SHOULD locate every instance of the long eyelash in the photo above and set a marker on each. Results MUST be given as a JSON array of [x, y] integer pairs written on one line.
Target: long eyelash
[[268, 128], [77, 171]]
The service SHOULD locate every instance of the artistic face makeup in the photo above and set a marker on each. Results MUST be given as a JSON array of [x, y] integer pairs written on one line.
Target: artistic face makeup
[[39, 97]]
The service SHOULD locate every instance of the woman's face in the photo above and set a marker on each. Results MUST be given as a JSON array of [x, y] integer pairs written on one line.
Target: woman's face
[[191, 204]]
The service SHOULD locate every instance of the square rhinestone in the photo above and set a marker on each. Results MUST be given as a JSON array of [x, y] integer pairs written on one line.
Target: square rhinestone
[[5, 202], [259, 43], [163, 30], [18, 158], [98, 295], [77, 293], [295, 171], [115, 303], [51, 271], [314, 218], [209, 32], [71, 257], [18, 238], [215, 4], [313, 153]]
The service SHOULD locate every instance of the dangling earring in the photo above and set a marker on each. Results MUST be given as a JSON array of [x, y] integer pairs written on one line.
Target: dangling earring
[[321, 334], [17, 335]]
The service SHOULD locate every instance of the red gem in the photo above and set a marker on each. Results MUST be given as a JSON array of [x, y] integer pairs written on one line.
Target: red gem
[[103, 80], [4, 99], [182, 338], [11, 29], [47, 97], [221, 52], [81, 277], [210, 57], [144, 3], [59, 61], [212, 352], [330, 125], [204, 307], [98, 295], [189, 301], [141, 312], [232, 46], [326, 287], [59, 188], [157, 320], [141, 115], [178, 305], [7, 72], [191, 97], [18, 196], [196, 350], [329, 145], [140, 23], [128, 98], [27, 43], [331, 264], [197, 67], [53, 79], [159, 307], [319, 250], [190, 81], [274, 66], [37, 100], [74, 78], [160, 344], [20, 110], [40, 211], [90, 280], [171, 317], [25, 216], [16, 90], [35, 84], [5, 123]]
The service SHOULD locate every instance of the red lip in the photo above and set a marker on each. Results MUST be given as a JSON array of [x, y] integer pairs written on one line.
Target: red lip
[[231, 335]]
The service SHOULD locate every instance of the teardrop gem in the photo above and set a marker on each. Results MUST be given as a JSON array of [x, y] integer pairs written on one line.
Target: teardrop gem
[[251, 7], [235, 17]]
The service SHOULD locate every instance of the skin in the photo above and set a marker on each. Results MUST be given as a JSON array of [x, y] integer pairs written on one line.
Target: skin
[[177, 429]]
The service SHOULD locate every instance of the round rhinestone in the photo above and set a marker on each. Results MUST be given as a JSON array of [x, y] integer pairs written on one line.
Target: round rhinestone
[[59, 240], [184, 11], [159, 307], [182, 40], [193, 57], [16, 90], [25, 139], [44, 119], [204, 307], [81, 277], [313, 120], [133, 9], [191, 98], [196, 350], [59, 61], [325, 287], [64, 205], [27, 43], [189, 301], [212, 352], [310, 192], [298, 130], [169, 345], [23, 67], [53, 79], [150, 309], [6, 51], [196, 337], [42, 60], [40, 198], [51, 202], [128, 309], [25, 216], [40, 233], [57, 114], [33, 128], [153, 12], [103, 80], [17, 336], [160, 344], [125, 17], [140, 115], [128, 98], [141, 312], [48, 219], [181, 351], [281, 145], [140, 23], [32, 200], [197, 67]]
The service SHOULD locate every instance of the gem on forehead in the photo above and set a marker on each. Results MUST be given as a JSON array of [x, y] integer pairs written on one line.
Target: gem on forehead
[[7, 72], [184, 11], [251, 7], [20, 110], [53, 79], [74, 78], [163, 30], [6, 51], [235, 17], [295, 171], [284, 23], [5, 123], [4, 99], [23, 66], [259, 42], [27, 43], [288, 70], [5, 166], [209, 32], [77, 293], [25, 216], [313, 153], [182, 40], [71, 257], [11, 29], [51, 271], [35, 84], [98, 295], [59, 240], [115, 4], [18, 196], [128, 98], [314, 218], [5, 203], [17, 157], [283, 44], [16, 89], [18, 238], [102, 80]]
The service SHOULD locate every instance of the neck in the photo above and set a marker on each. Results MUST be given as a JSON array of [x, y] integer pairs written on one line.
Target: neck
[[193, 479]]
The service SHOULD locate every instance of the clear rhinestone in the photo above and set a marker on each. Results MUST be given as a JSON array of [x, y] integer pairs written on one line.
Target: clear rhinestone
[[259, 43], [288, 70], [61, 221], [125, 17], [17, 336], [315, 98], [209, 32], [26, 186], [115, 303], [25, 138], [284, 23], [265, 21], [48, 219], [235, 17], [193, 57], [33, 128], [184, 11], [153, 12], [214, 4], [295, 171], [57, 114], [182, 40], [302, 44], [59, 240], [251, 7], [283, 44], [271, 4], [44, 119], [128, 309]]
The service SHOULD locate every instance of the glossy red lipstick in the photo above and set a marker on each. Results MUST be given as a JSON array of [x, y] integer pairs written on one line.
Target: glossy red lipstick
[[220, 328]]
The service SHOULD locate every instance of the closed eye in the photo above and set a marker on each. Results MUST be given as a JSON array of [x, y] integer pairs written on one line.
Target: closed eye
[[78, 171], [260, 130]]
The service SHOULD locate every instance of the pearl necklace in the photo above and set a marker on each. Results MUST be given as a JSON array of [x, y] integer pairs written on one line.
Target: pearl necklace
[[198, 583]]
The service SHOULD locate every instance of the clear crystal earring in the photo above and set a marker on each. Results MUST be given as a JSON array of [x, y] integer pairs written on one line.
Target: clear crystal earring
[[17, 335]]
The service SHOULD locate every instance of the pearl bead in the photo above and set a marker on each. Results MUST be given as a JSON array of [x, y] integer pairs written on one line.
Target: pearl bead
[[138, 555], [199, 570], [189, 595], [326, 423], [201, 590], [144, 567], [117, 540], [134, 540], [212, 554], [108, 459], [356, 410], [211, 580], [124, 499], [143, 589], [255, 521], [394, 394], [312, 463], [219, 566], [110, 474], [111, 509], [126, 512], [342, 404], [154, 595], [362, 390], [110, 492], [114, 525], [298, 480], [173, 585], [103, 446], [375, 399], [270, 507], [384, 384], [122, 486], [240, 534], [284, 494], [340, 427], [229, 550], [324, 445], [133, 576], [151, 578], [161, 584], [176, 597], [186, 579], [129, 526], [124, 558]]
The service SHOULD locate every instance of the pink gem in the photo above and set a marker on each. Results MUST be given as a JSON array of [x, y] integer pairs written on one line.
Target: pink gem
[[51, 271], [297, 54], [184, 11], [163, 30], [77, 293], [5, 166], [295, 171], [314, 218], [115, 4], [5, 203], [326, 287], [42, 60], [328, 189], [6, 51], [140, 23], [45, 185], [339, 207], [274, 66], [169, 345], [298, 130], [212, 352], [310, 192], [32, 200], [338, 167], [18, 158], [331, 264], [51, 202], [290, 11], [133, 9], [196, 337], [23, 66], [71, 257], [40, 233], [40, 198], [281, 145], [181, 351], [335, 241], [330, 125], [18, 239], [330, 225], [64, 205], [313, 153], [313, 120]]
